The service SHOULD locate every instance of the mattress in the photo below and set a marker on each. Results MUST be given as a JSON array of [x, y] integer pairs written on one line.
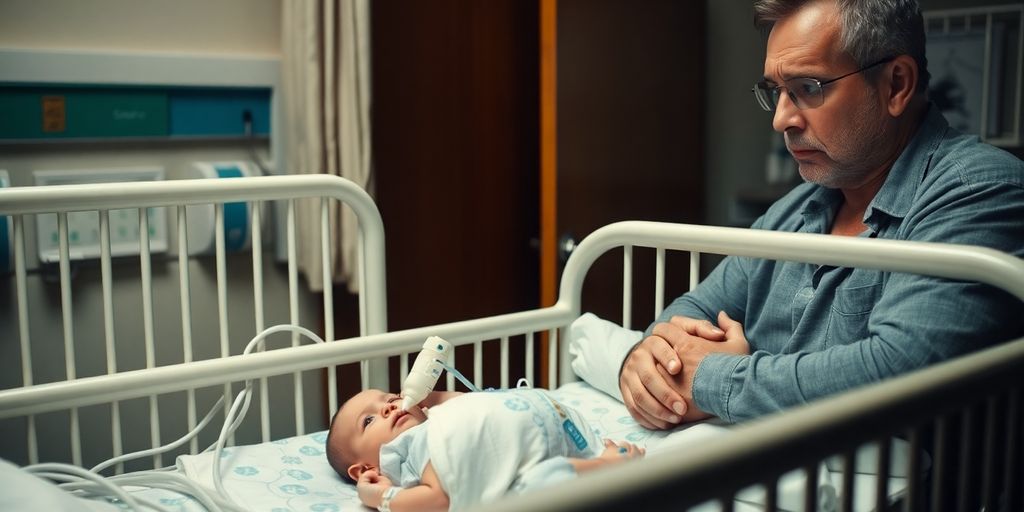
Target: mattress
[[292, 474]]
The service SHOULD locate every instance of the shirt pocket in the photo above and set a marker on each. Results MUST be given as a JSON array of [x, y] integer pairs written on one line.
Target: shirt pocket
[[851, 309]]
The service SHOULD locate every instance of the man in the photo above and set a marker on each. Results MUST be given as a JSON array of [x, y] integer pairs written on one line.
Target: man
[[847, 81]]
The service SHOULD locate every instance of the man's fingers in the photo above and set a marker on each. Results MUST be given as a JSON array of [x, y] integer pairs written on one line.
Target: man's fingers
[[700, 328], [663, 353], [656, 397], [644, 407], [727, 322]]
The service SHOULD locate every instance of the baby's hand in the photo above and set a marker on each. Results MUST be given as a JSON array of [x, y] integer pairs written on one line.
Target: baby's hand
[[371, 487], [619, 452]]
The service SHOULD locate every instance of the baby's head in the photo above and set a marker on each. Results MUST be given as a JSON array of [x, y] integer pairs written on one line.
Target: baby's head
[[361, 426]]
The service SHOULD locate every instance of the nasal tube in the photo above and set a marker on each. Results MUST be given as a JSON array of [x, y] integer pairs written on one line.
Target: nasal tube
[[425, 371]]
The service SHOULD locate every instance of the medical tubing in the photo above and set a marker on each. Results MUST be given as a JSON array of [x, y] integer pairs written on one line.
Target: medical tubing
[[87, 489], [57, 467], [458, 375], [224, 433], [161, 449], [180, 483], [231, 422], [92, 480]]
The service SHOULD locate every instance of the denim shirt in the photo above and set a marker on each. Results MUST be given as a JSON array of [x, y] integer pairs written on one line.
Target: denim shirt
[[818, 330]]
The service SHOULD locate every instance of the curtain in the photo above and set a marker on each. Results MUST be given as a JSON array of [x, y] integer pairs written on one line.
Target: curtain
[[326, 94]]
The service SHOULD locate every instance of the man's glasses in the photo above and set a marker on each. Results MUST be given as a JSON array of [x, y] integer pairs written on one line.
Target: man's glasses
[[805, 93]]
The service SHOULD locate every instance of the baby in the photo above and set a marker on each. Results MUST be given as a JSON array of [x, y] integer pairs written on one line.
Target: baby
[[475, 447]]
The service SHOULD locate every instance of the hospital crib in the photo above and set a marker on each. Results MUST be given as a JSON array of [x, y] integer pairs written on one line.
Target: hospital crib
[[974, 397]]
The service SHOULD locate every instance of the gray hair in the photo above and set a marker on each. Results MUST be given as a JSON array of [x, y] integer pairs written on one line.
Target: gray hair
[[870, 30]]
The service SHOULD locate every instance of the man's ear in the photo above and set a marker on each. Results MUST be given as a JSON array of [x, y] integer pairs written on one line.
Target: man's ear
[[356, 470], [901, 81]]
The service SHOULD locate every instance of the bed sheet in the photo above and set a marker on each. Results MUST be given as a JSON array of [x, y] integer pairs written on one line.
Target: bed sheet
[[292, 474]]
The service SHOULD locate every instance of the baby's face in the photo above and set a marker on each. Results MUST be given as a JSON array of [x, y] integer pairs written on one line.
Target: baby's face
[[372, 418]]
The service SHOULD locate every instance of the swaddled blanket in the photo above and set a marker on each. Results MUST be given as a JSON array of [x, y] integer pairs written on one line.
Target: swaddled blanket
[[487, 444]]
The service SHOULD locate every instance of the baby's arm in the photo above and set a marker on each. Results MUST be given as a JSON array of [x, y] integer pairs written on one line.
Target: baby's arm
[[427, 496], [612, 453]]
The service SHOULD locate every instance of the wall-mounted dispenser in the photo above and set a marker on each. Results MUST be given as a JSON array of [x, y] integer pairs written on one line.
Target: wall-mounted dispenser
[[237, 216]]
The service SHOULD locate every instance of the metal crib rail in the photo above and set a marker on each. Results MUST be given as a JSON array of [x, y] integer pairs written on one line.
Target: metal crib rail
[[942, 260], [764, 449], [22, 202]]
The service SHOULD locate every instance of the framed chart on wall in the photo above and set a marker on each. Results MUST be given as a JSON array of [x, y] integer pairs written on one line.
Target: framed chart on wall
[[974, 58]]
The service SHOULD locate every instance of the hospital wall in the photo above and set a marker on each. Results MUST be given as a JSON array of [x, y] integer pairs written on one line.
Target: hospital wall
[[190, 27]]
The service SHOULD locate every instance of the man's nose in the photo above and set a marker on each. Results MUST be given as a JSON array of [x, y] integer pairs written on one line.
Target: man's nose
[[787, 115]]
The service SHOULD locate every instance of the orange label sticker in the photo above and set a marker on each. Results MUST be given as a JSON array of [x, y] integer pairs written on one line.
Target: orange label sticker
[[54, 114]]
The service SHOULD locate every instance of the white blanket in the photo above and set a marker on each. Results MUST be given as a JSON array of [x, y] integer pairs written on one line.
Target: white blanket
[[484, 445]]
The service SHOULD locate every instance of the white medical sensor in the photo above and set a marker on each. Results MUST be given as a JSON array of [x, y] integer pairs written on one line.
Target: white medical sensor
[[425, 371]]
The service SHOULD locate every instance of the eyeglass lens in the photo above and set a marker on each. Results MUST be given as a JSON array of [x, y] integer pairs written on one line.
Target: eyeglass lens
[[804, 92]]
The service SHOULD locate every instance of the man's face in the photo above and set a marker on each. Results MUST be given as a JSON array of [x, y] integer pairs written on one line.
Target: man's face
[[837, 144], [371, 419]]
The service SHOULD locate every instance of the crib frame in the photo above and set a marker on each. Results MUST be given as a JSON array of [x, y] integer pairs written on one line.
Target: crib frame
[[747, 462]]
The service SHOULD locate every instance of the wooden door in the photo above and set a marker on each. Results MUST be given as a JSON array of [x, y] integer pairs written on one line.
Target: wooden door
[[455, 158], [629, 109]]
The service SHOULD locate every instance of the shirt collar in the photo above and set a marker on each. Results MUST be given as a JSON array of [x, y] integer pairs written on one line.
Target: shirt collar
[[909, 169]]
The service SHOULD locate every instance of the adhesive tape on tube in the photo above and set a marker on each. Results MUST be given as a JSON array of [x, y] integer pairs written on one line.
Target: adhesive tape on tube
[[201, 226]]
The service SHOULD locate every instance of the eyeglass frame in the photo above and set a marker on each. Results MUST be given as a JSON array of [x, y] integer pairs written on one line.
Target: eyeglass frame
[[762, 85]]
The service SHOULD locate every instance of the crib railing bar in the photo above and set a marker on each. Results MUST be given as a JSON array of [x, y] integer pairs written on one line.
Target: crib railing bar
[[257, 265], [847, 492], [727, 504], [222, 300], [504, 362], [882, 477], [811, 487], [913, 497], [478, 364], [106, 276], [771, 495], [146, 277], [65, 295], [69, 337], [325, 258], [966, 463], [166, 379], [1012, 487], [553, 358], [989, 455], [293, 312], [694, 270], [529, 357], [185, 298], [627, 287], [147, 327], [23, 327], [450, 381], [257, 292], [659, 282], [939, 462], [403, 367]]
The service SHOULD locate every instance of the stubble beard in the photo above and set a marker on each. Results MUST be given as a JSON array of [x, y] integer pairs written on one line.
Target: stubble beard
[[854, 154]]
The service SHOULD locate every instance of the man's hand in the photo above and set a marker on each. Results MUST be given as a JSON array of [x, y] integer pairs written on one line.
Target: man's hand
[[651, 382]]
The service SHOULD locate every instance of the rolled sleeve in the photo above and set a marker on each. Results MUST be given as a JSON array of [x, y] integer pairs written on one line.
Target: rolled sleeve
[[713, 383]]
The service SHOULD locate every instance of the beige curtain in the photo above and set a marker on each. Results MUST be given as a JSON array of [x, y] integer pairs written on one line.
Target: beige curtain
[[326, 94]]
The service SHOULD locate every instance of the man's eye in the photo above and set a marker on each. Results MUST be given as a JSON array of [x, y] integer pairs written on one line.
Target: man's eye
[[806, 88], [367, 420]]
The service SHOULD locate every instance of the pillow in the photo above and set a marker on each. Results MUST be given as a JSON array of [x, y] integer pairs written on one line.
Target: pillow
[[597, 348]]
